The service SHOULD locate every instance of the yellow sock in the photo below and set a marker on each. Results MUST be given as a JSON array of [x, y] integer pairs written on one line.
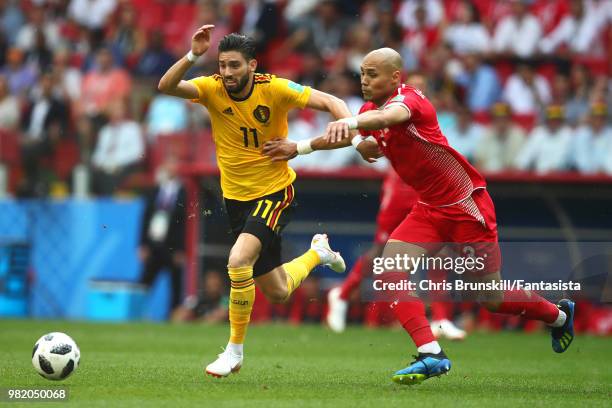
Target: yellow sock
[[298, 269], [242, 297]]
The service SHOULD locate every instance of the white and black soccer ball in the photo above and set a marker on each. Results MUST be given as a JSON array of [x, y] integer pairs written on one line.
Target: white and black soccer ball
[[55, 356]]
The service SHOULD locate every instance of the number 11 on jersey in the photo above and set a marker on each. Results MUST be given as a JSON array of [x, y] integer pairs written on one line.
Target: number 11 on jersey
[[245, 135]]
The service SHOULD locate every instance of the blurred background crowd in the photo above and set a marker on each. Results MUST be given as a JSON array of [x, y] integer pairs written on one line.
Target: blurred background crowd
[[520, 86]]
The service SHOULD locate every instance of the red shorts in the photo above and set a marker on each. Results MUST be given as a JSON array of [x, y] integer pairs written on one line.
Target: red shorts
[[470, 224]]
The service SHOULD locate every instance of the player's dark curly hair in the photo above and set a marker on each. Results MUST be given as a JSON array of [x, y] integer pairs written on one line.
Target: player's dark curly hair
[[245, 45]]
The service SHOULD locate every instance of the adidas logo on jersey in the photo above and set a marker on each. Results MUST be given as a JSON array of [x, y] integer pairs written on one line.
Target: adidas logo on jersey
[[228, 111]]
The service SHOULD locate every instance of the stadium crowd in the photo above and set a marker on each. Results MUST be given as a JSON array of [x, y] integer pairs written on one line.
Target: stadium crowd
[[519, 85]]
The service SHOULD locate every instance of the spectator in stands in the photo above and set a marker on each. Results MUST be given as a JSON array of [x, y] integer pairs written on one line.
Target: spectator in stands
[[579, 32], [11, 19], [297, 10], [480, 83], [3, 47], [323, 32], [312, 69], [38, 22], [69, 79], [45, 121], [467, 34], [501, 141], [592, 147], [155, 59], [420, 37], [162, 242], [40, 55], [261, 22], [207, 11], [466, 136], [359, 43], [126, 39], [103, 86], [20, 76], [166, 115], [548, 146], [92, 14], [526, 91], [433, 12], [118, 152], [581, 93], [210, 305], [9, 107], [518, 34]]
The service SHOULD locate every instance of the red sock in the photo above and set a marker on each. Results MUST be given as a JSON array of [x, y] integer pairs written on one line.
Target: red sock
[[528, 304], [352, 280], [411, 316]]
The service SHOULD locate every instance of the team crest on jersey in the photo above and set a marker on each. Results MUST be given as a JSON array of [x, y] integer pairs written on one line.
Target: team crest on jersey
[[262, 113]]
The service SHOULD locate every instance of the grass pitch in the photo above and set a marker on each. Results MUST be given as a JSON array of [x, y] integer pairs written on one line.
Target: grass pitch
[[145, 365]]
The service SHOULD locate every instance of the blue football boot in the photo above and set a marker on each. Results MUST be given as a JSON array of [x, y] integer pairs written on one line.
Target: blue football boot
[[425, 366], [563, 336]]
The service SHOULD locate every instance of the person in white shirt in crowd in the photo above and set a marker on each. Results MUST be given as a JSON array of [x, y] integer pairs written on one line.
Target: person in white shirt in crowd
[[465, 136], [69, 78], [467, 34], [119, 150], [37, 21], [92, 14], [9, 107], [434, 13], [548, 146], [579, 32], [166, 115], [519, 33], [592, 148], [501, 142], [526, 91]]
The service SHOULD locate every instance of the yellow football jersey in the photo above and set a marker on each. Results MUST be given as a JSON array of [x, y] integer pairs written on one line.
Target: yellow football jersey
[[240, 127]]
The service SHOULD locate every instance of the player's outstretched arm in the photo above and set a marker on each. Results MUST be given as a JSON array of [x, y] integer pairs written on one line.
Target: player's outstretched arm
[[370, 120], [172, 83], [328, 103], [285, 149]]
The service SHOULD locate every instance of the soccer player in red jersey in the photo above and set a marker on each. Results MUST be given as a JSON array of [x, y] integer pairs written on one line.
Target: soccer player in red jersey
[[454, 205], [396, 202]]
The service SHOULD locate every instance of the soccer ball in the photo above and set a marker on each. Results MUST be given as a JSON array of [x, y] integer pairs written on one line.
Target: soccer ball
[[55, 356]]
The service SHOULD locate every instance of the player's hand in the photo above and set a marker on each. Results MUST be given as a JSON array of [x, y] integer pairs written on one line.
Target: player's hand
[[280, 150], [369, 151], [200, 42], [336, 131]]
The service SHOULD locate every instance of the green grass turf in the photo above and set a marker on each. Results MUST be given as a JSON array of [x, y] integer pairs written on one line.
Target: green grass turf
[[144, 365]]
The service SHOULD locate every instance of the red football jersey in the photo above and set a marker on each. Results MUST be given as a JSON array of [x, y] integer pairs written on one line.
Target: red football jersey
[[420, 154]]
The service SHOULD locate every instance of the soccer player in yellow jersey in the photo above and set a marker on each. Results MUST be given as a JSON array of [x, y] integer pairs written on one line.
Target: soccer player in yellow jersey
[[248, 109]]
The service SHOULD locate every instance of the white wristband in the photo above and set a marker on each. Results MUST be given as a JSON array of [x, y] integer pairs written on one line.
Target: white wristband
[[351, 122], [191, 57], [304, 147], [357, 140]]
